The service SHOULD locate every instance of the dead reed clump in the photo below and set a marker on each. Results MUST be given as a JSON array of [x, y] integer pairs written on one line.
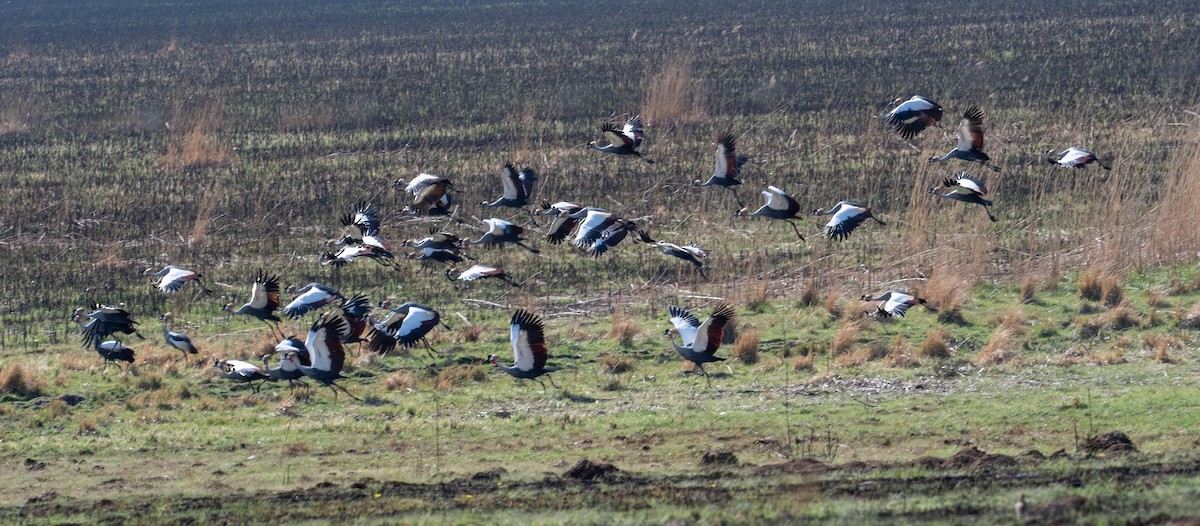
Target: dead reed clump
[[199, 146], [453, 377], [935, 345], [860, 356], [1090, 285], [833, 306], [1000, 348], [947, 293], [613, 364], [672, 96], [745, 349], [16, 380], [755, 297], [844, 338], [1028, 292], [811, 294], [469, 333], [1112, 291], [87, 426], [623, 329], [804, 362], [1120, 318], [75, 361], [1191, 320], [1161, 344], [400, 381], [900, 355]]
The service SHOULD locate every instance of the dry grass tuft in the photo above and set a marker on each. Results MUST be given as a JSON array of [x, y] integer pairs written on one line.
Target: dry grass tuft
[[844, 338], [197, 147], [453, 377], [936, 345], [1120, 318], [873, 351], [833, 306], [745, 349], [469, 333], [1000, 348], [1028, 291], [87, 426], [672, 97], [613, 364], [16, 380], [1161, 344], [1090, 285], [400, 381], [1112, 291], [623, 329], [946, 291], [811, 294], [1191, 320], [755, 297], [805, 362], [900, 355]]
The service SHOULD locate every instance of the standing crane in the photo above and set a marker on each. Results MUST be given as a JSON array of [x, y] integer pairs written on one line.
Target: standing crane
[[102, 322], [847, 215], [912, 116], [778, 205], [518, 186], [109, 350], [178, 340], [292, 355], [728, 167], [967, 189], [1074, 157], [624, 141], [529, 349], [970, 141], [700, 340], [895, 303]]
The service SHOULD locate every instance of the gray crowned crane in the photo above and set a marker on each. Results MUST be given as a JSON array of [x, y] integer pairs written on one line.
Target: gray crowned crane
[[593, 223], [1074, 157], [264, 300], [729, 166], [912, 116], [778, 205], [243, 372], [895, 303], [103, 322], [430, 194], [700, 340], [173, 278], [364, 217], [499, 232], [347, 254], [562, 224], [435, 254], [847, 215], [292, 355], [624, 141], [688, 253], [613, 234], [518, 186], [354, 311], [311, 297], [436, 239], [526, 334], [109, 350], [970, 141], [178, 340], [406, 325], [967, 189], [477, 272], [326, 353]]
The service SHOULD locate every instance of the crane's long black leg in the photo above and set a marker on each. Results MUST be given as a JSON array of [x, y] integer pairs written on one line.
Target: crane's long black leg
[[332, 385], [705, 373], [988, 209], [429, 348], [797, 229], [548, 377], [527, 247], [736, 198]]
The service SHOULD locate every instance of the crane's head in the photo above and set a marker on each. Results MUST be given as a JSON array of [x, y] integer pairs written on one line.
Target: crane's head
[[228, 307], [218, 363], [78, 314], [491, 360], [167, 316]]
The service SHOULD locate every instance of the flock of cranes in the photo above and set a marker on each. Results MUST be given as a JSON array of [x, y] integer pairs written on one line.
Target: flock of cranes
[[352, 319]]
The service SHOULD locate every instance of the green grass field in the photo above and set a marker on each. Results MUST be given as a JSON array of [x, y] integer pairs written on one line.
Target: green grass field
[[228, 138]]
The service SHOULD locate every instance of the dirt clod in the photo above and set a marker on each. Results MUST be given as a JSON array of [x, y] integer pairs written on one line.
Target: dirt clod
[[719, 458], [1114, 442], [34, 465], [587, 470]]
